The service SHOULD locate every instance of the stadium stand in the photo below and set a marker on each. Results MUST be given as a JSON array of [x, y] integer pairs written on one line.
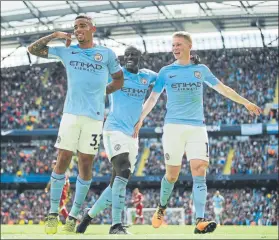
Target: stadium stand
[[242, 206], [251, 156], [251, 72], [32, 98]]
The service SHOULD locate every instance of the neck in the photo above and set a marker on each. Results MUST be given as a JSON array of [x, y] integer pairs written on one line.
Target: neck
[[87, 44], [132, 70], [185, 60]]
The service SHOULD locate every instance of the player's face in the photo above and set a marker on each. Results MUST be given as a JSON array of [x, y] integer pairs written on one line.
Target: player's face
[[131, 58], [180, 47], [83, 30]]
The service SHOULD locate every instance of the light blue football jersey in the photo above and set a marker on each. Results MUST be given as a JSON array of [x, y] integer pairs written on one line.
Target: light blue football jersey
[[87, 77], [126, 104], [184, 88], [218, 201]]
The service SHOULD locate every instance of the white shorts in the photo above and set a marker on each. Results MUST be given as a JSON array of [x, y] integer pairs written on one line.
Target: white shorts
[[218, 211], [180, 138], [116, 142], [79, 133]]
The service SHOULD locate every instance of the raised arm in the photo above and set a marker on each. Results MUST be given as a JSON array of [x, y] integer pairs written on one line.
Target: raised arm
[[117, 82], [40, 48], [233, 95], [147, 107]]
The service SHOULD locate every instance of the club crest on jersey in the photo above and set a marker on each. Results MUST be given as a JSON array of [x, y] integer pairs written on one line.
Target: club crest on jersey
[[143, 81], [117, 147], [167, 156], [98, 57], [197, 74]]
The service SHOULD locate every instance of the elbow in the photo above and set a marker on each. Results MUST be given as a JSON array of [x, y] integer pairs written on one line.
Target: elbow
[[227, 91], [29, 49]]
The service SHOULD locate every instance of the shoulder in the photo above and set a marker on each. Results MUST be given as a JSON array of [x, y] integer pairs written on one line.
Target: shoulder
[[170, 66], [165, 69], [202, 67], [145, 71], [103, 49]]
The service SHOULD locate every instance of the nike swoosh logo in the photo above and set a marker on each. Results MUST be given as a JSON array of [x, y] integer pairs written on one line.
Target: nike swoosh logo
[[3, 132], [172, 76], [75, 52]]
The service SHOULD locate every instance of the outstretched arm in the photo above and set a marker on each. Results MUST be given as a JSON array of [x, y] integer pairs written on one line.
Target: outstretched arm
[[233, 95], [40, 48], [147, 107]]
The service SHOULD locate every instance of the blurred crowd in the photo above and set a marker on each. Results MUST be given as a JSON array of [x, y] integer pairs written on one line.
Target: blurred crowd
[[242, 206], [33, 96], [24, 161], [251, 156]]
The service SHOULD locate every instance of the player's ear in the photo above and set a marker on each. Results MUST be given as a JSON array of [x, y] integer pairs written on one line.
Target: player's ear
[[93, 28]]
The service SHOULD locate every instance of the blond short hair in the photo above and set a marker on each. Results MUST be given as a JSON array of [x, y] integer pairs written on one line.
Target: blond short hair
[[184, 34]]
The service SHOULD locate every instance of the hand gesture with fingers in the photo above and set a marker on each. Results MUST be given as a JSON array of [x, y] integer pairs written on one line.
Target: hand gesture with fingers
[[64, 35], [137, 127], [253, 109]]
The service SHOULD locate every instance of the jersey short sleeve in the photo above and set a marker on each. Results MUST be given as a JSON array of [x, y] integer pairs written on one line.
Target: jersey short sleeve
[[153, 77], [113, 62], [56, 52], [209, 77], [160, 82]]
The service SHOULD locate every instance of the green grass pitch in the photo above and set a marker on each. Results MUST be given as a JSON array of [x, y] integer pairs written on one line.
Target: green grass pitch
[[142, 232]]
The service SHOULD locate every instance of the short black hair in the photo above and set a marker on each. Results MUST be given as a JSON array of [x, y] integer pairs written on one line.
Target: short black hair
[[90, 19], [135, 48]]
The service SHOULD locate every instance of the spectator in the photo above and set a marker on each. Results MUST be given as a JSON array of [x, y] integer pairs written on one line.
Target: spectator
[[242, 206]]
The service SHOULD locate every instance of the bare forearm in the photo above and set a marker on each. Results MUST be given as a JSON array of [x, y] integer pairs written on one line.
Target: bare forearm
[[40, 48], [47, 187], [147, 107], [116, 84], [234, 96], [112, 87]]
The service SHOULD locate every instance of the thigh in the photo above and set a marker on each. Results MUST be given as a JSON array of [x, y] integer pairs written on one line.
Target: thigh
[[90, 136], [115, 143], [133, 151], [173, 144], [197, 144], [68, 133], [217, 211]]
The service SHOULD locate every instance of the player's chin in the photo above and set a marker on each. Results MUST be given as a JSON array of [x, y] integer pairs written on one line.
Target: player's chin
[[130, 65], [176, 56]]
